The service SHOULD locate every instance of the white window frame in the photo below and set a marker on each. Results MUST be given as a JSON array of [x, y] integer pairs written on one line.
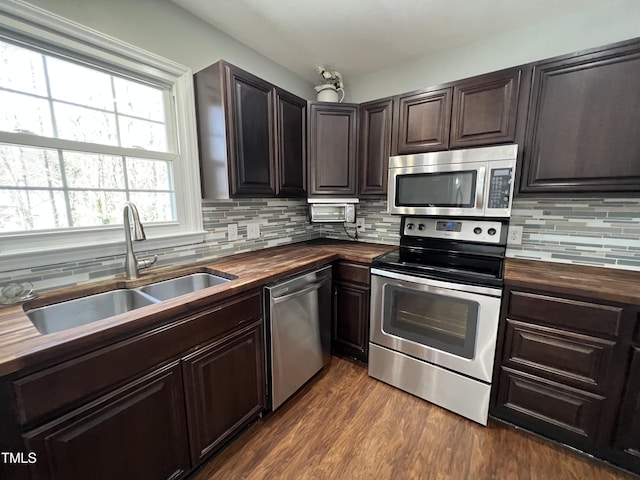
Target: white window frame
[[30, 249]]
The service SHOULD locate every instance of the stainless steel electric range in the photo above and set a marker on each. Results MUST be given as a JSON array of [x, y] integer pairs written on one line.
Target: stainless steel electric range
[[435, 305]]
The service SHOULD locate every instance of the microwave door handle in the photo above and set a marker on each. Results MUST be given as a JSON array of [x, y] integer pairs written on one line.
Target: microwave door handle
[[480, 189]]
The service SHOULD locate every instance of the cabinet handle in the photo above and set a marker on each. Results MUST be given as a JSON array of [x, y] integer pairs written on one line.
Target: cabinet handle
[[299, 293]]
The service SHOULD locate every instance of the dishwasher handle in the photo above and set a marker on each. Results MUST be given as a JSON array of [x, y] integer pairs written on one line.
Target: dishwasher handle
[[299, 293]]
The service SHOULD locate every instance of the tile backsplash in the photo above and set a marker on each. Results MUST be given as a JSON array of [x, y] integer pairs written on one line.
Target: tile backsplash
[[588, 231], [281, 221], [600, 232], [380, 227]]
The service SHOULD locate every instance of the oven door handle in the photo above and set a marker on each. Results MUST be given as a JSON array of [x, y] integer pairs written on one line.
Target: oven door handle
[[490, 291]]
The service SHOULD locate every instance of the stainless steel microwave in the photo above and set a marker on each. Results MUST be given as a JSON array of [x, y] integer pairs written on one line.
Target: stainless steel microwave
[[475, 182], [332, 210]]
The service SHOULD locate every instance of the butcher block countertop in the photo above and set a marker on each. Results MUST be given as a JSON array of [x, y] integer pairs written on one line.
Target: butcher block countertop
[[22, 346], [598, 283]]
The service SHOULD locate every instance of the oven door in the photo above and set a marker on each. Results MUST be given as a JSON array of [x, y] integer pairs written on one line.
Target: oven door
[[447, 324]]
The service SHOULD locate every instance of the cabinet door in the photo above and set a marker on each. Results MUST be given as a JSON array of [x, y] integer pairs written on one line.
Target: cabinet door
[[250, 134], [485, 110], [291, 154], [224, 388], [351, 320], [423, 121], [582, 127], [628, 435], [139, 431], [375, 147], [332, 149]]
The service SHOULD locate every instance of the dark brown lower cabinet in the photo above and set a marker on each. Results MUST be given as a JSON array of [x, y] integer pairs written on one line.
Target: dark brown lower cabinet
[[562, 367], [628, 435], [138, 431], [351, 296], [149, 407], [567, 413], [224, 385]]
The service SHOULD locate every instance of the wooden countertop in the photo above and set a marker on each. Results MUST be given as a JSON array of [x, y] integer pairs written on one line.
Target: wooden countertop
[[606, 284], [22, 346]]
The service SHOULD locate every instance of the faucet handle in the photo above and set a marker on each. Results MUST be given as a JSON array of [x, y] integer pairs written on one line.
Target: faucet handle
[[147, 262]]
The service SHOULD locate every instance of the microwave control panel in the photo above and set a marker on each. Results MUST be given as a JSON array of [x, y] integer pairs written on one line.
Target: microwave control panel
[[500, 187]]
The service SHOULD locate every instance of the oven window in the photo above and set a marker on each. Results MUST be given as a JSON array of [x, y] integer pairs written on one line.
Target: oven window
[[445, 323], [443, 189]]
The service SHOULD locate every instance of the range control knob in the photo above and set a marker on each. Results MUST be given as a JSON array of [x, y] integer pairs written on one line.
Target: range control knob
[[410, 226], [421, 226], [491, 231], [477, 230]]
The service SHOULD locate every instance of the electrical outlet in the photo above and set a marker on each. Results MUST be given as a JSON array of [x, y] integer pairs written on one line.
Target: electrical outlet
[[360, 224], [232, 232], [515, 235], [253, 230]]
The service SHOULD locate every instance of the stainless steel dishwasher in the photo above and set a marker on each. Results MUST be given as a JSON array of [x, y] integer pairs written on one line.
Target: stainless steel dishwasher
[[298, 331]]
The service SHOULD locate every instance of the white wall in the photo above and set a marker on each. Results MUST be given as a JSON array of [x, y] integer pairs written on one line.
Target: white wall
[[165, 29], [612, 21]]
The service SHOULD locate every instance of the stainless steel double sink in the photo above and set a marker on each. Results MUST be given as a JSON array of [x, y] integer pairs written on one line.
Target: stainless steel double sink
[[81, 311]]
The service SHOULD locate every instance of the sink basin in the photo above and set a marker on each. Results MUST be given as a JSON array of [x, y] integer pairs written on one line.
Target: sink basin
[[73, 313], [182, 285]]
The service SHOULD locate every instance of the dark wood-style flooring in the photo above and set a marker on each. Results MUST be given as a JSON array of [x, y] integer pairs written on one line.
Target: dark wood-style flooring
[[346, 425]]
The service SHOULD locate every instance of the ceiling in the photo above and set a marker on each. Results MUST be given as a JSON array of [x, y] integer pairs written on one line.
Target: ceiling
[[358, 37]]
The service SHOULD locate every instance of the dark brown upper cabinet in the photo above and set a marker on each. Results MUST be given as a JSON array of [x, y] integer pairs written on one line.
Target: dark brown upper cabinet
[[250, 135], [472, 112], [290, 121], [423, 121], [333, 130], [582, 127], [375, 146], [484, 109]]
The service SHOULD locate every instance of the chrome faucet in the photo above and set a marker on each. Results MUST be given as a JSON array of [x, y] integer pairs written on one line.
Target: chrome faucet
[[132, 266]]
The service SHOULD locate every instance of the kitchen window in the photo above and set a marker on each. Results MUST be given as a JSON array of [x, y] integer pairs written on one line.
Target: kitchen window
[[88, 123]]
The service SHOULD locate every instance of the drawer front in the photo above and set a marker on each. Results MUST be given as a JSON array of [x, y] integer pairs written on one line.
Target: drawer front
[[351, 272], [564, 313], [566, 357], [71, 381], [544, 405]]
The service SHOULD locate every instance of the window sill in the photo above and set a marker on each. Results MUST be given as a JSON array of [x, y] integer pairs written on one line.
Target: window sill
[[75, 253]]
